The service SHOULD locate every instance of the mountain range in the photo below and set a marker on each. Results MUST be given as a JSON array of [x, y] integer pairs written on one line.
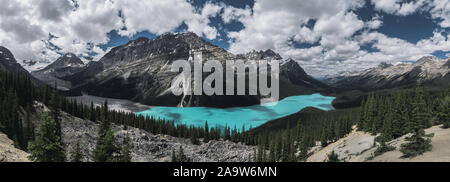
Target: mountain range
[[429, 71], [140, 71]]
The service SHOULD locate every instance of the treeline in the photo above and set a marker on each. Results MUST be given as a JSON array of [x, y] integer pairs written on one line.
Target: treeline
[[48, 146], [406, 111], [301, 133], [16, 92]]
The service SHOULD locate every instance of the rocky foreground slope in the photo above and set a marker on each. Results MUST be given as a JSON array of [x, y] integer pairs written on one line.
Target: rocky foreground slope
[[359, 147], [10, 154], [147, 147]]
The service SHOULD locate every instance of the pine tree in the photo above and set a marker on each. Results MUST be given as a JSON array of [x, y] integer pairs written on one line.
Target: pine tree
[[15, 129], [92, 112], [286, 152], [55, 111], [363, 116], [399, 115], [47, 146], [29, 125], [181, 157], [386, 130], [443, 112], [333, 157], [77, 155], [206, 138], [125, 153], [260, 154], [272, 155], [174, 157], [386, 136], [105, 149], [372, 113], [255, 155], [418, 144], [46, 95], [324, 138], [303, 148], [194, 139]]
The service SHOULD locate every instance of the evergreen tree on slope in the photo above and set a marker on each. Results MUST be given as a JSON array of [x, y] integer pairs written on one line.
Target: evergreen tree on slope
[[418, 142]]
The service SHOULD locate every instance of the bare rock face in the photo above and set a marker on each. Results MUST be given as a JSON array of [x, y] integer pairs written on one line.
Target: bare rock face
[[147, 147], [63, 63], [293, 72], [268, 54], [8, 62], [8, 153], [447, 64], [66, 65]]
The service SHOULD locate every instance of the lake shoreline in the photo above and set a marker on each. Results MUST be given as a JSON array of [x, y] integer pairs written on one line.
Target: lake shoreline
[[240, 117]]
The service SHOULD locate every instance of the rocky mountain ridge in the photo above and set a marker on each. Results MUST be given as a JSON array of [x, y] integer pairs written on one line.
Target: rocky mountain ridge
[[66, 65], [429, 71], [268, 54], [8, 63]]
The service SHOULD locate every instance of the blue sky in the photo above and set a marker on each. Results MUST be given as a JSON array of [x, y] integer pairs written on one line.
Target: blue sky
[[324, 36]]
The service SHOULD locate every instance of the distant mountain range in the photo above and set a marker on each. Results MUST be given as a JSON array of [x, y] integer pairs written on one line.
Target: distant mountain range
[[67, 65], [351, 88], [429, 71]]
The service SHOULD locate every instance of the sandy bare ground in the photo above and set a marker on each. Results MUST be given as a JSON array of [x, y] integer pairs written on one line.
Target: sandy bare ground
[[10, 154], [350, 148], [439, 153], [358, 147]]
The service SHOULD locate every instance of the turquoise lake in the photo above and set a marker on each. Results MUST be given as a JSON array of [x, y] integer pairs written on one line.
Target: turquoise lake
[[250, 116]]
